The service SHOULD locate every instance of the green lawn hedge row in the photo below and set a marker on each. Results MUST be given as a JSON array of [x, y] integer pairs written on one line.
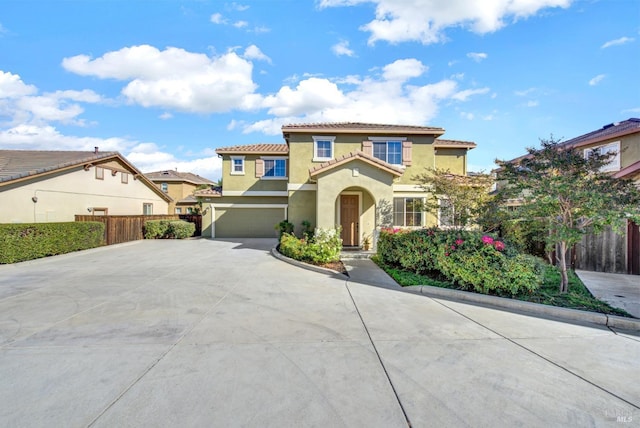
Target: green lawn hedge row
[[168, 229], [28, 241]]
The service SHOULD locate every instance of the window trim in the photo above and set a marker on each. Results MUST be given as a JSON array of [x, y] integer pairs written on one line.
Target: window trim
[[99, 173], [124, 177], [233, 171], [316, 139], [164, 187], [275, 158], [145, 205], [404, 213], [388, 140], [615, 162]]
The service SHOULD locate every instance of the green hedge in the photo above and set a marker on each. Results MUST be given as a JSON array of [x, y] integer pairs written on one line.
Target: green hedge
[[168, 229], [324, 247], [474, 261], [28, 241]]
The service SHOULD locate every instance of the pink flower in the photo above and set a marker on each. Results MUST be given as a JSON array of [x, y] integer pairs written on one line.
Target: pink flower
[[459, 241], [499, 245], [446, 254], [453, 247], [487, 240]]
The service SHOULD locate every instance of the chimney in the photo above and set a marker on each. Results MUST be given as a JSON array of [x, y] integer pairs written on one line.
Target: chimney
[[95, 150]]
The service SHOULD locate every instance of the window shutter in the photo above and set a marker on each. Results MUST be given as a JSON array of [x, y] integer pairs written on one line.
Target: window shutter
[[406, 153], [367, 148], [259, 168]]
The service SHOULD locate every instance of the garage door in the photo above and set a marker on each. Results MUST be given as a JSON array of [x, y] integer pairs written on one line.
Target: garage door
[[247, 222]]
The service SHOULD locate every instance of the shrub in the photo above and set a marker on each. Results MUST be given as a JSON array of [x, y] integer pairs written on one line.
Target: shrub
[[28, 241], [284, 227], [324, 248], [167, 229], [472, 260]]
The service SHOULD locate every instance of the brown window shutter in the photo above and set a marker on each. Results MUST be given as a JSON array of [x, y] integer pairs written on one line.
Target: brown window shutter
[[259, 168], [367, 148], [406, 153]]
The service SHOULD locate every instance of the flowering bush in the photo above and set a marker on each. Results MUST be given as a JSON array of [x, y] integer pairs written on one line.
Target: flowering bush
[[324, 247], [473, 261]]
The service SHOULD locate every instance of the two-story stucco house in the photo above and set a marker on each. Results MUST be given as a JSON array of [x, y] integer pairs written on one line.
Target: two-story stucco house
[[357, 176], [180, 186]]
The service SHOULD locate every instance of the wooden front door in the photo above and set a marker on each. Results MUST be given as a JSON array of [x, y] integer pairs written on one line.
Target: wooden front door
[[349, 217]]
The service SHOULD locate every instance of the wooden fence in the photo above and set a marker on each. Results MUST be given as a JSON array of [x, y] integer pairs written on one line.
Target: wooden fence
[[609, 251], [125, 228]]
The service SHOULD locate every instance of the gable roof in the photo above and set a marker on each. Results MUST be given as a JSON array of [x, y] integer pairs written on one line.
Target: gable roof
[[171, 175], [20, 165], [260, 149], [453, 144], [629, 171], [333, 163], [359, 127], [612, 130]]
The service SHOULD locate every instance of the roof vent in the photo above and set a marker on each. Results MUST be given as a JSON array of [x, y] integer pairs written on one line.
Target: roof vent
[[95, 150]]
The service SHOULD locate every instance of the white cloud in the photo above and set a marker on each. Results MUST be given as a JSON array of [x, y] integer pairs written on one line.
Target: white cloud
[[596, 80], [148, 158], [632, 110], [386, 97], [525, 92], [617, 42], [467, 93], [241, 24], [477, 56], [254, 52], [342, 48], [217, 18], [165, 116], [532, 103], [12, 86], [174, 78], [237, 7], [466, 115], [426, 20]]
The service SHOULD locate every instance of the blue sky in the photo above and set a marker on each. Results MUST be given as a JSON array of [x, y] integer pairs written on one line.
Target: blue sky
[[167, 82]]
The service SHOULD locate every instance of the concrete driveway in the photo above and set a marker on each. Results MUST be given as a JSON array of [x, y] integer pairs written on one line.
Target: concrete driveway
[[204, 333]]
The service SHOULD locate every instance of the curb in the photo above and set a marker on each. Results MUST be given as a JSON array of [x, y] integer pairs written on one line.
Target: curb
[[567, 314], [529, 308], [319, 269]]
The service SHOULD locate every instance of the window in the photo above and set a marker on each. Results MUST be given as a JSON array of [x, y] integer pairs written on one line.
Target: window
[[322, 148], [614, 165], [388, 151], [189, 210], [237, 165], [99, 173], [407, 212], [446, 217], [164, 187], [147, 209], [276, 168], [124, 177], [178, 210]]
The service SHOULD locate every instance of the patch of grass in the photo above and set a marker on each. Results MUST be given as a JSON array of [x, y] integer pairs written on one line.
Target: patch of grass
[[578, 296]]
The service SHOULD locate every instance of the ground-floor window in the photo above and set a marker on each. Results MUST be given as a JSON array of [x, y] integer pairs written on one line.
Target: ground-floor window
[[178, 210], [147, 209], [407, 211]]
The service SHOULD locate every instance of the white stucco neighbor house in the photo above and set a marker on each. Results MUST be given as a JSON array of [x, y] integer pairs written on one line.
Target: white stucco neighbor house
[[54, 186]]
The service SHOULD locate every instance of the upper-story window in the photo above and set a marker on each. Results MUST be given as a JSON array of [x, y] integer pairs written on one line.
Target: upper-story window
[[614, 147], [393, 150], [323, 148], [275, 168], [164, 187], [237, 165]]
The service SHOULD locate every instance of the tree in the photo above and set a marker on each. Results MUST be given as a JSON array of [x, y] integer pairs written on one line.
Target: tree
[[566, 192], [460, 198]]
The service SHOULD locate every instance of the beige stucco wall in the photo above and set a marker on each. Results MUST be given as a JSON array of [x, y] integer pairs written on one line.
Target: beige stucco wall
[[60, 197], [455, 160], [302, 206], [249, 181], [423, 155], [629, 148], [337, 180]]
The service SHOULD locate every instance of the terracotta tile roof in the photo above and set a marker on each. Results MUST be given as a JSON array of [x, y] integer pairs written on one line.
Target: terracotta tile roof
[[629, 171], [262, 149], [333, 163], [454, 144], [358, 127], [15, 164], [212, 192], [612, 130], [171, 175]]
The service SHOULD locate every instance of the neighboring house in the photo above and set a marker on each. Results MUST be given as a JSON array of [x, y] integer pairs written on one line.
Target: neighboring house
[[610, 252], [354, 175], [54, 186], [180, 186]]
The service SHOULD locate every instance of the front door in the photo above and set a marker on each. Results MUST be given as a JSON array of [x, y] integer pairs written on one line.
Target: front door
[[349, 216]]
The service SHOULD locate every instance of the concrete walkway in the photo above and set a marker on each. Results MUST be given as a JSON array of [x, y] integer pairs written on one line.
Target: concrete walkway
[[620, 291], [220, 333]]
